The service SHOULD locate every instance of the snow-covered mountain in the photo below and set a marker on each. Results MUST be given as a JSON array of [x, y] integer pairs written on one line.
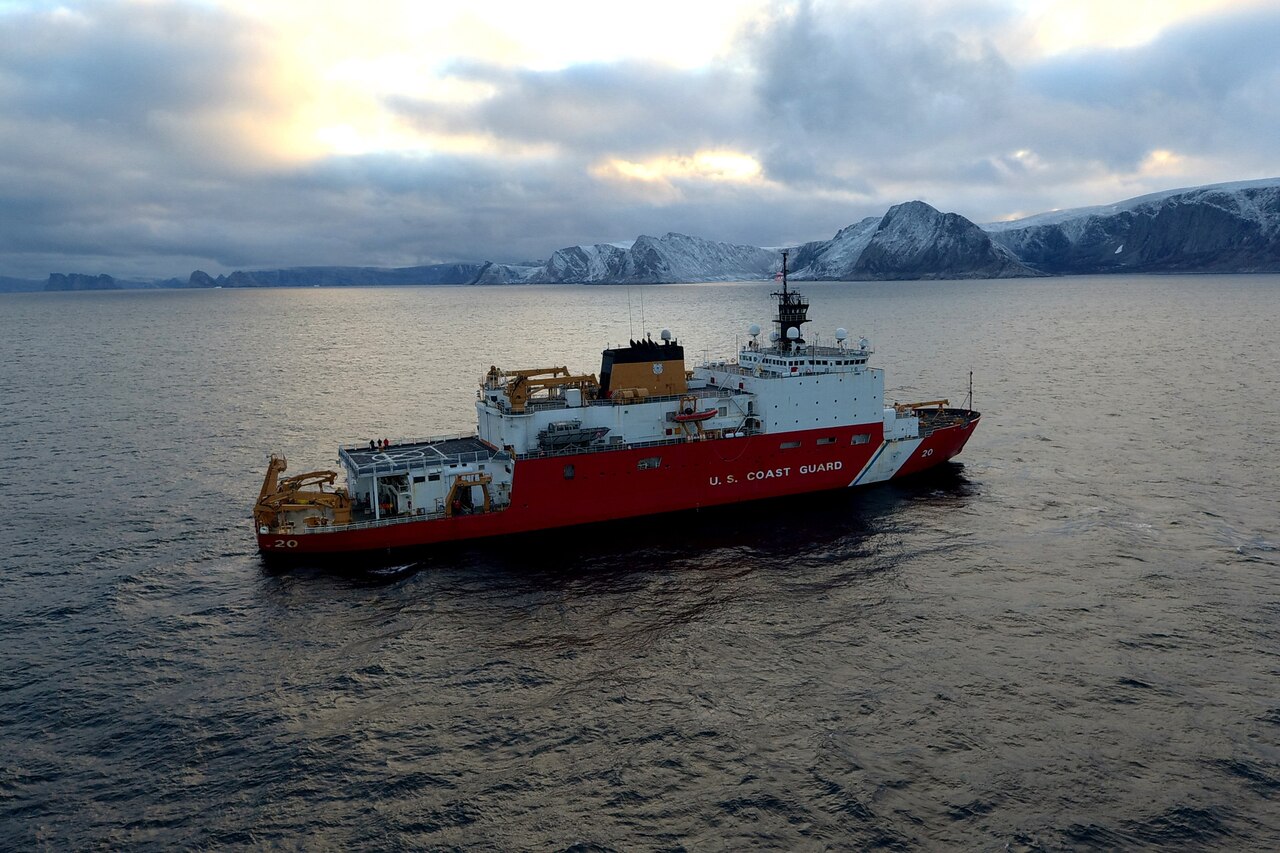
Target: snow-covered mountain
[[911, 241], [651, 260], [830, 260], [1221, 228], [484, 272]]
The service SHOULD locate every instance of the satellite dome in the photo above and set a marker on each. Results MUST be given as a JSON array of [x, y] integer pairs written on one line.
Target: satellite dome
[[665, 335], [753, 330], [793, 333], [773, 336], [863, 343], [841, 334]]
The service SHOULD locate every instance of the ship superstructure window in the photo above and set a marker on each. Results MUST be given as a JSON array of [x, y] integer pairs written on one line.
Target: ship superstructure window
[[649, 462], [789, 445], [568, 472], [828, 440], [862, 438]]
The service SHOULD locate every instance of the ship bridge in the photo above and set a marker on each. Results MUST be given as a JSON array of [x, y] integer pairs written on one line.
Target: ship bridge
[[802, 361]]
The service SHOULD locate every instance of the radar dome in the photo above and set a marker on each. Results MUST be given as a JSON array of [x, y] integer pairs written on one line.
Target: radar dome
[[773, 336], [793, 333], [841, 334], [753, 330], [665, 335]]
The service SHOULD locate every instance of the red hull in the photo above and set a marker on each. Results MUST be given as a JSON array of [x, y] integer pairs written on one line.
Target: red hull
[[584, 488]]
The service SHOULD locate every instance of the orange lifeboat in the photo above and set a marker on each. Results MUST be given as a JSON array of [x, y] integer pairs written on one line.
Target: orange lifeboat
[[689, 416]]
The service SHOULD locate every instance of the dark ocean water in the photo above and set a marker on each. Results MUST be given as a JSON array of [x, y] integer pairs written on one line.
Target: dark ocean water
[[1069, 641]]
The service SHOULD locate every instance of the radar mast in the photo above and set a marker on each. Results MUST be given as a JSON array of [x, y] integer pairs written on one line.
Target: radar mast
[[793, 310]]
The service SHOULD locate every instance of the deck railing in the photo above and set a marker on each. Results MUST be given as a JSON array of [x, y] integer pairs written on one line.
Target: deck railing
[[404, 465], [379, 522], [741, 432], [432, 439]]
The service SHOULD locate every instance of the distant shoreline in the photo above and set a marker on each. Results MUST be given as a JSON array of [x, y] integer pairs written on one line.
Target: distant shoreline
[[612, 284]]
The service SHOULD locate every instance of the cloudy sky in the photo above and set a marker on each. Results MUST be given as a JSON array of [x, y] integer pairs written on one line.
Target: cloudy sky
[[154, 138]]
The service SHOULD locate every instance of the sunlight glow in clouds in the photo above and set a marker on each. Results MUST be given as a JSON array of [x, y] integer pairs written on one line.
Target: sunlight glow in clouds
[[347, 61], [1064, 25], [279, 132], [350, 59], [704, 165]]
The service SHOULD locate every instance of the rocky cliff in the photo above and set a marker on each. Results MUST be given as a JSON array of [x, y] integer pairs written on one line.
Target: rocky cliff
[[651, 260], [1221, 228], [461, 273], [79, 281], [911, 241]]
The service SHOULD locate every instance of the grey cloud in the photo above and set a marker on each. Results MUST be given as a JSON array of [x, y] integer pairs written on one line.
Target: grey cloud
[[852, 89], [114, 68], [108, 162], [1201, 62], [628, 108], [104, 142], [1208, 87]]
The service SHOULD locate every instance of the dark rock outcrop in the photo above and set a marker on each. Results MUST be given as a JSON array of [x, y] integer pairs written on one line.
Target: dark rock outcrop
[[79, 281]]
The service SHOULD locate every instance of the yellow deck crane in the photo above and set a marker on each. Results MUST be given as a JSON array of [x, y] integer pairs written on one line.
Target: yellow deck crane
[[520, 385], [281, 503]]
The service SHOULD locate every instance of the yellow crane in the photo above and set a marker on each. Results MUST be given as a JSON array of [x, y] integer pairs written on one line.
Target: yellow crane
[[300, 494], [520, 385]]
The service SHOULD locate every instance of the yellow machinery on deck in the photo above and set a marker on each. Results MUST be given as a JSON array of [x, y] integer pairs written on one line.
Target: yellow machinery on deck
[[462, 486], [910, 407], [282, 503], [520, 385]]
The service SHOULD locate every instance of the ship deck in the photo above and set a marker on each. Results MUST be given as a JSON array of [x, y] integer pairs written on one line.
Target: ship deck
[[408, 455], [932, 420]]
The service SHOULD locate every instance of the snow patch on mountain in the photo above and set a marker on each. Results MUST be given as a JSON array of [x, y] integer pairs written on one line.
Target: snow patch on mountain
[[1224, 227], [652, 260], [911, 241], [831, 260], [1054, 217]]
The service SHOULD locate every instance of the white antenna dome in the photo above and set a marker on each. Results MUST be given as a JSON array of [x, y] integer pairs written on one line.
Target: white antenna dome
[[773, 336], [841, 334], [665, 335], [753, 330], [793, 333], [863, 343]]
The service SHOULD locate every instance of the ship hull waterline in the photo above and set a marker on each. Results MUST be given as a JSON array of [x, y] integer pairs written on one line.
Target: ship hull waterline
[[569, 490]]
